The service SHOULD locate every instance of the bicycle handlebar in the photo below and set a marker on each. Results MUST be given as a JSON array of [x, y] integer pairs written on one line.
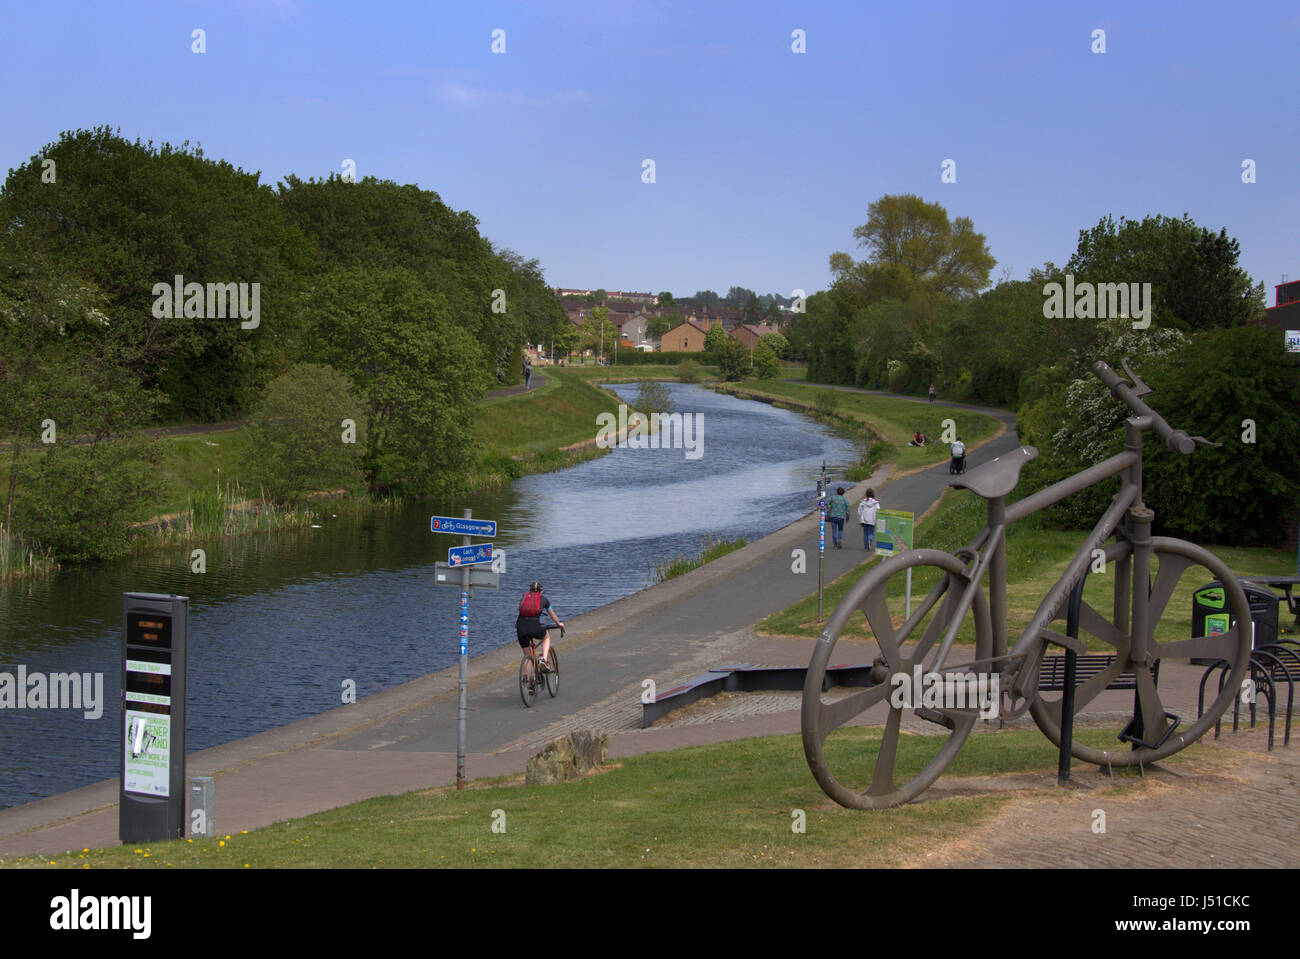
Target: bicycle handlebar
[[1177, 440]]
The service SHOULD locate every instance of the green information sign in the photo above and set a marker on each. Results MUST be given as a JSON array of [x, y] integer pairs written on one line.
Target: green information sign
[[893, 531]]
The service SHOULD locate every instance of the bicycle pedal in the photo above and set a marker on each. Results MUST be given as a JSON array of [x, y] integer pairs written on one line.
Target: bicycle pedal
[[935, 716], [1127, 735]]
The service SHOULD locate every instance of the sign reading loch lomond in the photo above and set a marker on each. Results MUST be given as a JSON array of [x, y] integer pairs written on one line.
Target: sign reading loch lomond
[[463, 527], [469, 555]]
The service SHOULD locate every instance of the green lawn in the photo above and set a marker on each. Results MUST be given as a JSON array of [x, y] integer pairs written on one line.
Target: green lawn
[[895, 420], [725, 805]]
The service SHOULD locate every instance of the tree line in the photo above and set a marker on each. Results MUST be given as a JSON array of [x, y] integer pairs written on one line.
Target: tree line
[[380, 304], [919, 309]]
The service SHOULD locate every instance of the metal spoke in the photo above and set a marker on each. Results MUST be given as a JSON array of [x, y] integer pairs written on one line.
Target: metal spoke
[[882, 781], [836, 714], [1214, 646], [1153, 713], [1172, 568], [877, 613], [1094, 624]]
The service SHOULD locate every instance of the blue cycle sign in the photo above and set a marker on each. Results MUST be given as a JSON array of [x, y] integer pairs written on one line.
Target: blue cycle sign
[[470, 555], [463, 527]]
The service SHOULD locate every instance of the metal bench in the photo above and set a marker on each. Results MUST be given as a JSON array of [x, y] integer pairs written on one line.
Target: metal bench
[[1051, 675]]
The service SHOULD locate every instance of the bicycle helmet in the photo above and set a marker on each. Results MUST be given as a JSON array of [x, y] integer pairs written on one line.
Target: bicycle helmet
[[536, 587]]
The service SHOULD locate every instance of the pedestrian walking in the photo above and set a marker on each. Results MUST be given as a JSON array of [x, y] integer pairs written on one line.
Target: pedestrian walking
[[528, 375], [931, 392], [867, 517], [837, 511]]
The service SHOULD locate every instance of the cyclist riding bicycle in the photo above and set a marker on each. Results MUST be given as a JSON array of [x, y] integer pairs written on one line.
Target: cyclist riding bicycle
[[528, 626]]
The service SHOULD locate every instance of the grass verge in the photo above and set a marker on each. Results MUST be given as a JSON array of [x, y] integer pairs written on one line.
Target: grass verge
[[681, 563], [719, 806]]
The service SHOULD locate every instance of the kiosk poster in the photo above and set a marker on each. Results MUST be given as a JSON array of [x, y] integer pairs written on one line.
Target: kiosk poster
[[148, 753], [893, 531]]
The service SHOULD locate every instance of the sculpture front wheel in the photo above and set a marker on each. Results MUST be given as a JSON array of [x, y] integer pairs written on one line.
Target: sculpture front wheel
[[873, 775]]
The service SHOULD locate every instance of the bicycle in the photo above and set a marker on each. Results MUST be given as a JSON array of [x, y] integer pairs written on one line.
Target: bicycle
[[1138, 604], [529, 671]]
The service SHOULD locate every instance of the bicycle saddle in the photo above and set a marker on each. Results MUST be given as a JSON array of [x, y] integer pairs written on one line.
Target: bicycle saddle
[[997, 477]]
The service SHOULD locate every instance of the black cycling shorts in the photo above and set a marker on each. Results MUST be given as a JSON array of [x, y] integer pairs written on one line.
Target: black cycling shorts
[[528, 628]]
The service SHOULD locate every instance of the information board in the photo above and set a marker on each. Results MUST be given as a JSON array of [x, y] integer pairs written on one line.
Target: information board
[[893, 531]]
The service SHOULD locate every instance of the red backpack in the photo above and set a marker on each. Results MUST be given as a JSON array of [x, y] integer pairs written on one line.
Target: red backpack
[[531, 604]]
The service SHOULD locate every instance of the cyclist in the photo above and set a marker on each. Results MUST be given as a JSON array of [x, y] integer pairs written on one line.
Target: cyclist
[[529, 626]]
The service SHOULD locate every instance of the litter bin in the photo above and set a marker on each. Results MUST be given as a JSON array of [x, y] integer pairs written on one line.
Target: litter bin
[[1210, 613]]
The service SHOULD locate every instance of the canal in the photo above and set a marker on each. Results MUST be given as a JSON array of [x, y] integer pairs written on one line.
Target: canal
[[279, 622]]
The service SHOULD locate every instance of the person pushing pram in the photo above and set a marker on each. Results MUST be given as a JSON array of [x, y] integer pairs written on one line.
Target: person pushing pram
[[958, 464]]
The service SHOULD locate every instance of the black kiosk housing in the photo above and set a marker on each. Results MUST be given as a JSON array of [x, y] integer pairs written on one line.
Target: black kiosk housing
[[152, 759]]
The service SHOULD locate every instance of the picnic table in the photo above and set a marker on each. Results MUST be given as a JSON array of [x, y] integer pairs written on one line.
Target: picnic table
[[1287, 584]]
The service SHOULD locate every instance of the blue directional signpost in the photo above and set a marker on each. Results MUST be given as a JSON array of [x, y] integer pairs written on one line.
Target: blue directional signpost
[[821, 538], [464, 557]]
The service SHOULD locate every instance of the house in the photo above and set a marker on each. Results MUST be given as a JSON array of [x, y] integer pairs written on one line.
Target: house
[[750, 333], [634, 327], [685, 337], [1285, 315]]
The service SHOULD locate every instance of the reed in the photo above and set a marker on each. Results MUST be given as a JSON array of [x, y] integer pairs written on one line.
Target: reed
[[19, 559], [681, 563]]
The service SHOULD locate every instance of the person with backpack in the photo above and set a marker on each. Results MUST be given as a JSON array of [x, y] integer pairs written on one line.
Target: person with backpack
[[837, 511], [528, 625], [958, 464], [867, 517]]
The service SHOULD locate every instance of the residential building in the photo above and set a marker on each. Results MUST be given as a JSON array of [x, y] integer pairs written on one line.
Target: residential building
[[685, 337]]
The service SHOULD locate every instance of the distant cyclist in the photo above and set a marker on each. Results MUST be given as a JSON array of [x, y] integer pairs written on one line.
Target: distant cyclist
[[529, 624]]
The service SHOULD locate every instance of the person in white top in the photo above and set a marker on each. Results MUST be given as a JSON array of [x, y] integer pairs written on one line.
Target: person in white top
[[867, 517], [958, 457]]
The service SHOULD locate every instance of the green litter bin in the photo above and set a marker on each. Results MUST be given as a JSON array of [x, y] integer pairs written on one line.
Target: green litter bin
[[1210, 613]]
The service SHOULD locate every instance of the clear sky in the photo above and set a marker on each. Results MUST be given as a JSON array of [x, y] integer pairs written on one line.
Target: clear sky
[[765, 159]]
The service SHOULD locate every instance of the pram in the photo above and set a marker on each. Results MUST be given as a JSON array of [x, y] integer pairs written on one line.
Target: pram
[[957, 464]]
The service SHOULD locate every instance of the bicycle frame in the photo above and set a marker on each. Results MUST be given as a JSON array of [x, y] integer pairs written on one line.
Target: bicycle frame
[[1126, 516]]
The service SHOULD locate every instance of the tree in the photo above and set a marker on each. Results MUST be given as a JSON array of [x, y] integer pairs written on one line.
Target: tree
[[733, 359], [776, 343], [738, 297], [942, 257], [657, 326], [566, 338], [1194, 273], [299, 442], [600, 295], [715, 339], [597, 330], [418, 372], [706, 298], [125, 216], [67, 394], [666, 299], [766, 365]]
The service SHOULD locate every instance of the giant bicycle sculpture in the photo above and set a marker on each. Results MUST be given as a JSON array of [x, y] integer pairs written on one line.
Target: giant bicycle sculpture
[[1146, 570]]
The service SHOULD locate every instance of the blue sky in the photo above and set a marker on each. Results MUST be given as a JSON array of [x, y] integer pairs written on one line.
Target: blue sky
[[765, 159]]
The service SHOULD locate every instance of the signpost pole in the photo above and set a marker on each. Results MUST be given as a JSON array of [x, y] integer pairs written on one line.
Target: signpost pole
[[821, 538], [464, 666]]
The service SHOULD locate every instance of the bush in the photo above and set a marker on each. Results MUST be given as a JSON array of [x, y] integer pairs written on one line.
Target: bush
[[658, 359], [82, 498], [766, 365], [653, 398], [777, 343], [733, 360], [688, 371], [298, 438], [824, 402]]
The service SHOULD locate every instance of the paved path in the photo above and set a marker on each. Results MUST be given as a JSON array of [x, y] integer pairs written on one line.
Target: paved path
[[405, 738]]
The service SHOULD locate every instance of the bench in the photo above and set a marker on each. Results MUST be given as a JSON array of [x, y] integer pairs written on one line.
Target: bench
[[1051, 674]]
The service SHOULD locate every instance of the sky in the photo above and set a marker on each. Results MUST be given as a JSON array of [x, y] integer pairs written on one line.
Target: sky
[[764, 158]]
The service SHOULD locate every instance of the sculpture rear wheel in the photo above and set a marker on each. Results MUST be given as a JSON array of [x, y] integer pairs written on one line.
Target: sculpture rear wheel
[[871, 775], [1175, 566]]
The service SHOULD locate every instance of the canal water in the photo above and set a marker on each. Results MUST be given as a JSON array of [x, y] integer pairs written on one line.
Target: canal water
[[279, 622]]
